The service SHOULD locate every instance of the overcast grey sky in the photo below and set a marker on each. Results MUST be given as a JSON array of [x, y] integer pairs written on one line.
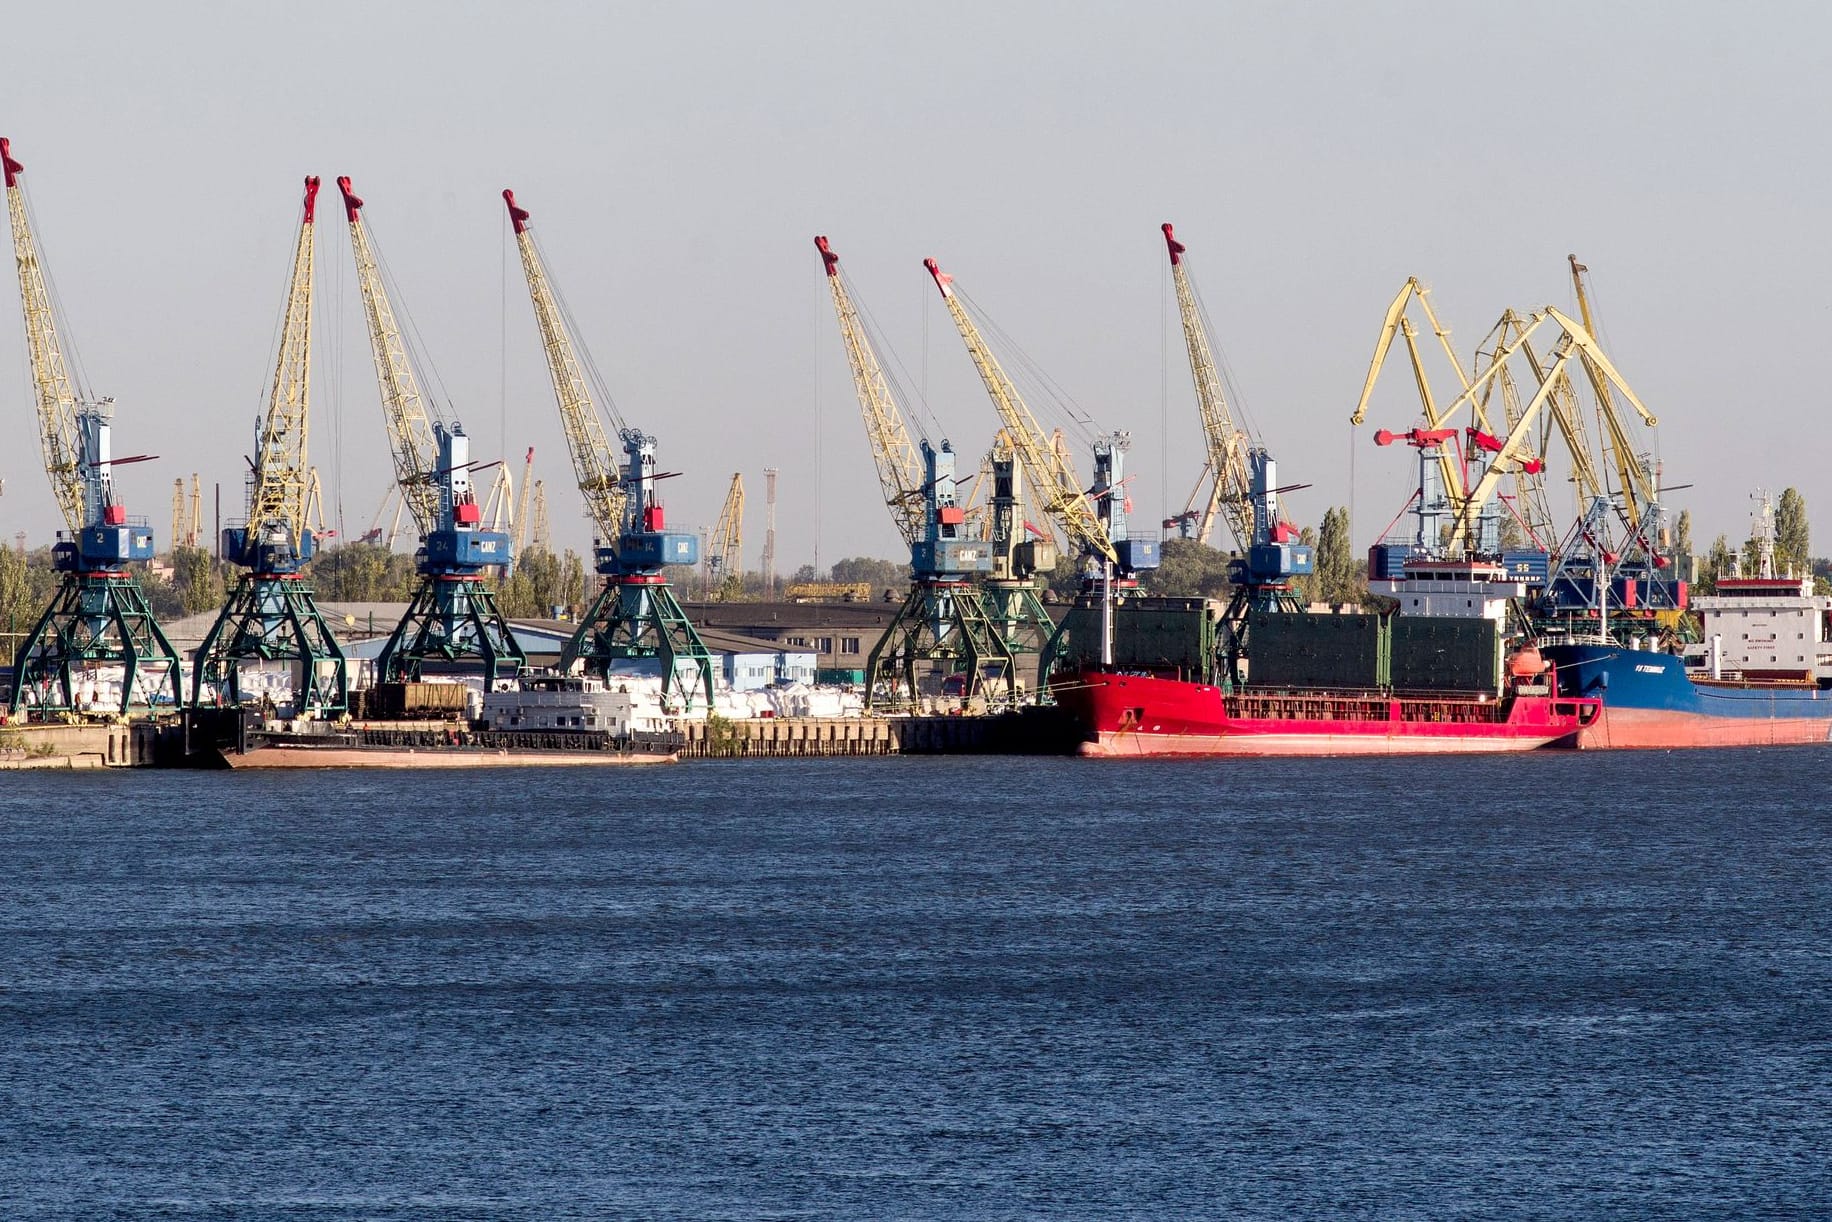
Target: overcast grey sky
[[679, 158]]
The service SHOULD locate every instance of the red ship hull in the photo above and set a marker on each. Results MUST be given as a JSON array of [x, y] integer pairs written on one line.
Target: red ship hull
[[1134, 715]]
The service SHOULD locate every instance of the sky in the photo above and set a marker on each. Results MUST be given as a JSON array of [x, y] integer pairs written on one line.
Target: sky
[[679, 158]]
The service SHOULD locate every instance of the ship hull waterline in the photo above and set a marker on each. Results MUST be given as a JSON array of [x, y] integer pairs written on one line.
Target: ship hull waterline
[[1140, 716]]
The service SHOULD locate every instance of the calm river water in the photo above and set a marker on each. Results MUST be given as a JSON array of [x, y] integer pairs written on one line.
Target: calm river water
[[924, 988]]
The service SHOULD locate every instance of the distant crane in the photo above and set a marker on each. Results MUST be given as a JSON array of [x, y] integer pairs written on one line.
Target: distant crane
[[178, 513], [453, 615], [187, 512], [540, 538], [272, 613], [636, 616], [942, 621], [524, 507], [725, 556], [99, 615]]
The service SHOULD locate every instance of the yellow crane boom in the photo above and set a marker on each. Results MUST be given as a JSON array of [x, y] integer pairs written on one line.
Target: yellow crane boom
[[1635, 480], [595, 463], [1057, 489], [58, 431], [1232, 492], [282, 476], [525, 502], [900, 472], [411, 441]]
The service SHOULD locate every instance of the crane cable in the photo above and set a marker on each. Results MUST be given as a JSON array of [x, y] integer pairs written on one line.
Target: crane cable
[[1045, 390], [601, 393], [440, 403]]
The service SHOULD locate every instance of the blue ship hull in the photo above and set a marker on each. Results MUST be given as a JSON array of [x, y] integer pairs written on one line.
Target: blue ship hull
[[1649, 700]]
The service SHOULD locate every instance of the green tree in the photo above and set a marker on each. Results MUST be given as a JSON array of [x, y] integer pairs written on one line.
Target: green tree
[[25, 587], [1717, 563], [197, 580], [1682, 533], [1791, 541], [1512, 536], [881, 575], [572, 582], [1338, 575], [1188, 569], [535, 587], [363, 572]]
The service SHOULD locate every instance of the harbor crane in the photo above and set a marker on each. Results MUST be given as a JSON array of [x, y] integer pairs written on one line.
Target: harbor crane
[[272, 613], [942, 622], [1461, 490], [1092, 520], [98, 618], [1022, 552], [1245, 492], [1635, 478], [453, 616], [635, 617], [725, 555]]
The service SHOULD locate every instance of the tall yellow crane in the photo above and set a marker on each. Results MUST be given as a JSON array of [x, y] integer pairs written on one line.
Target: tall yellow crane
[[1231, 493], [98, 618], [900, 471], [725, 556], [1244, 492], [178, 512], [271, 615], [453, 615], [1461, 505], [1052, 480], [941, 631], [1093, 520], [635, 617], [1635, 478]]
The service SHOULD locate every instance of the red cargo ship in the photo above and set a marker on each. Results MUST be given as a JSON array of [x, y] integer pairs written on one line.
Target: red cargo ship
[[1138, 715]]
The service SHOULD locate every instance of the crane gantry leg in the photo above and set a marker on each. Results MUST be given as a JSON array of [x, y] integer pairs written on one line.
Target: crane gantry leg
[[451, 619], [636, 617], [95, 620], [273, 618], [941, 623]]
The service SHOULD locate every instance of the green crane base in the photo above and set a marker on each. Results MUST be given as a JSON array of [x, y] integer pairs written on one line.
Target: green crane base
[[451, 619], [1017, 613], [639, 619], [94, 620], [272, 618], [941, 622]]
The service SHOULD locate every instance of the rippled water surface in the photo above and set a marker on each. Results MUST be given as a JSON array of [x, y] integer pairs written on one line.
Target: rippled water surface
[[926, 988]]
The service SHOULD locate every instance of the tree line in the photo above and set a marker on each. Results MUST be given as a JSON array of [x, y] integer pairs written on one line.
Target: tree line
[[544, 583]]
